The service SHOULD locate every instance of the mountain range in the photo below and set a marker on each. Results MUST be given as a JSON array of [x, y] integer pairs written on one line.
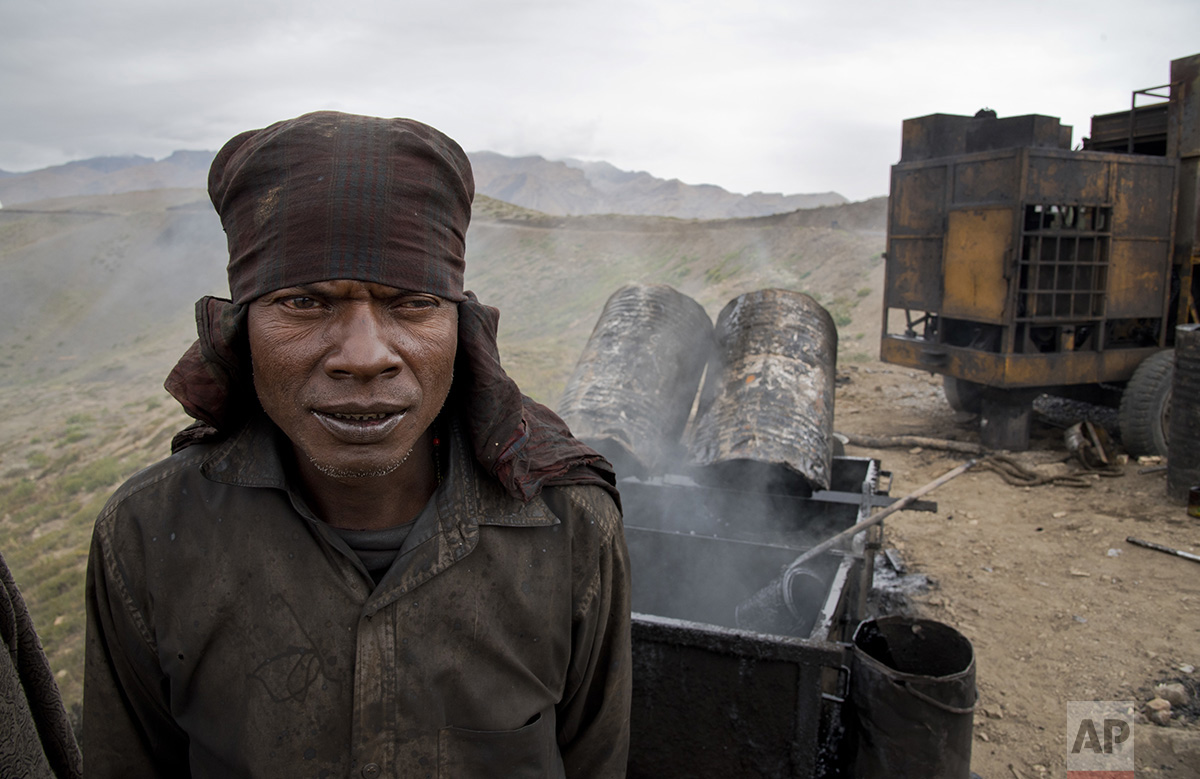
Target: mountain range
[[557, 187]]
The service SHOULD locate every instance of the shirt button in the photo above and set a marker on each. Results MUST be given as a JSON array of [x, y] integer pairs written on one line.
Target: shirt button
[[370, 771]]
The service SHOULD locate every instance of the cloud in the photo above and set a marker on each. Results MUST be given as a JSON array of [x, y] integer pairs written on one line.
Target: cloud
[[759, 95]]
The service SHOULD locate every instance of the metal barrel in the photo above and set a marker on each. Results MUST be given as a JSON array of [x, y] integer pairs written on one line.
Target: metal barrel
[[1183, 449], [636, 380], [912, 693], [767, 402]]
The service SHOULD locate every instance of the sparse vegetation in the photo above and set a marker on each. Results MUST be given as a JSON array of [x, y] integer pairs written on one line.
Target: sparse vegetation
[[48, 506]]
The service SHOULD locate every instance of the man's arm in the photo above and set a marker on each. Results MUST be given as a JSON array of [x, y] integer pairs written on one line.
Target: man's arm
[[593, 717], [127, 726]]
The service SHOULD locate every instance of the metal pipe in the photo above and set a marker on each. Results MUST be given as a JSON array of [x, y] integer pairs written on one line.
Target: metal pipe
[[1161, 548], [899, 505]]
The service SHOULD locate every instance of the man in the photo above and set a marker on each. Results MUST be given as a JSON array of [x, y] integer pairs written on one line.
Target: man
[[371, 556]]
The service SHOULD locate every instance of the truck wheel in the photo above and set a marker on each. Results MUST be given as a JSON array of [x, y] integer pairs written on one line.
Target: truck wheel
[[963, 395], [1145, 413]]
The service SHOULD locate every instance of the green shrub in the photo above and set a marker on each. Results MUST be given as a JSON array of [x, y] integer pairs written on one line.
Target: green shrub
[[103, 472]]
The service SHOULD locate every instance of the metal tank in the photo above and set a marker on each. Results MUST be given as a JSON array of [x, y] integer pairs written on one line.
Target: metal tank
[[766, 411], [712, 698], [634, 385]]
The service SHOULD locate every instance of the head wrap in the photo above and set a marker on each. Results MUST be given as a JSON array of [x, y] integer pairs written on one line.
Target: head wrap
[[337, 196]]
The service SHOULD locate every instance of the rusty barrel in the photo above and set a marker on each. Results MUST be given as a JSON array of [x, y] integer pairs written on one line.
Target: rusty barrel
[[912, 693], [1183, 449], [768, 398], [636, 380]]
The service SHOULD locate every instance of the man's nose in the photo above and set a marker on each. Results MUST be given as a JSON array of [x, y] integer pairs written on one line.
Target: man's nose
[[362, 348]]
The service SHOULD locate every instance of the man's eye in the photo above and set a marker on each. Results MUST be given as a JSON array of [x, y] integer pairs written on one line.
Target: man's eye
[[417, 302], [301, 303]]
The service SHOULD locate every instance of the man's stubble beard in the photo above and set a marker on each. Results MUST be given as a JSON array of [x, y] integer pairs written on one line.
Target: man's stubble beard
[[336, 472]]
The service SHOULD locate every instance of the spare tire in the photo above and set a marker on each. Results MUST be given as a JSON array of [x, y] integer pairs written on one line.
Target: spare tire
[[963, 395], [1145, 413]]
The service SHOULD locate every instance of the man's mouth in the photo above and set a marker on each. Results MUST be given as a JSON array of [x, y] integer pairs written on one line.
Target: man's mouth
[[357, 417], [359, 428]]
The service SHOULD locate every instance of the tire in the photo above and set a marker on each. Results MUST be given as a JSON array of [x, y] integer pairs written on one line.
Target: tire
[[1145, 413], [963, 395]]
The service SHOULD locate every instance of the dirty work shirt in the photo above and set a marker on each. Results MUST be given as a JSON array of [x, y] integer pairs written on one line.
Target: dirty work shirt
[[231, 633]]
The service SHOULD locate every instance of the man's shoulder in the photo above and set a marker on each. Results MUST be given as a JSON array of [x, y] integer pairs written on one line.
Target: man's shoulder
[[584, 506], [165, 477]]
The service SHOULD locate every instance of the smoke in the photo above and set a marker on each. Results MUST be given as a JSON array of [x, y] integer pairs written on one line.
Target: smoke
[[98, 282]]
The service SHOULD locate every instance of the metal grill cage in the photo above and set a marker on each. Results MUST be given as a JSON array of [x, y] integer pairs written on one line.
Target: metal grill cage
[[1064, 262]]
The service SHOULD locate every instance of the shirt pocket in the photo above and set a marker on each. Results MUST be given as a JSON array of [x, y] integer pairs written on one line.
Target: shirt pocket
[[529, 752]]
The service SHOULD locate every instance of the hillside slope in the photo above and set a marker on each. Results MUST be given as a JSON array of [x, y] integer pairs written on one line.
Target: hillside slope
[[87, 279]]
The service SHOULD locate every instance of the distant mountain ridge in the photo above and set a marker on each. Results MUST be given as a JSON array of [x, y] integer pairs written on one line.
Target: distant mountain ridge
[[573, 187], [106, 176], [560, 188]]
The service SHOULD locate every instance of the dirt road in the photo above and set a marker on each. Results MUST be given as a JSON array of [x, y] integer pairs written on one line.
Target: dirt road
[[1058, 605]]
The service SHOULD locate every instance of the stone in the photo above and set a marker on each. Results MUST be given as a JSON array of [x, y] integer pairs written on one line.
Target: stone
[[1160, 717], [1158, 704], [1174, 693]]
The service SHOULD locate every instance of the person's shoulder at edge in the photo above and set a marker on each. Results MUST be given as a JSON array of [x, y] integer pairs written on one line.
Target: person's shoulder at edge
[[585, 505]]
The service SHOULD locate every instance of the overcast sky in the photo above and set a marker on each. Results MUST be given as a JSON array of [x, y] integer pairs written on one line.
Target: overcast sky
[[752, 95]]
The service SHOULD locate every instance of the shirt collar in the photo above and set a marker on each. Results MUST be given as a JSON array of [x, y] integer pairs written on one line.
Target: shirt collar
[[254, 456]]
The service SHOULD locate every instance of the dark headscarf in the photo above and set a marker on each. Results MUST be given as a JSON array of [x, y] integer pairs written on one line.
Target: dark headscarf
[[338, 196]]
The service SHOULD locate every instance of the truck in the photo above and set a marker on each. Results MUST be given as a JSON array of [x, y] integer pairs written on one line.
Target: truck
[[1018, 266]]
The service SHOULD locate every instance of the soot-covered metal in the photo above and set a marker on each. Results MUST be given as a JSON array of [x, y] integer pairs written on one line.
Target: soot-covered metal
[[711, 699], [739, 670], [768, 397], [633, 387]]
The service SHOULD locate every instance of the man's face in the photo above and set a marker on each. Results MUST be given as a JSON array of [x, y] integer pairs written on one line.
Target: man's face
[[352, 372]]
